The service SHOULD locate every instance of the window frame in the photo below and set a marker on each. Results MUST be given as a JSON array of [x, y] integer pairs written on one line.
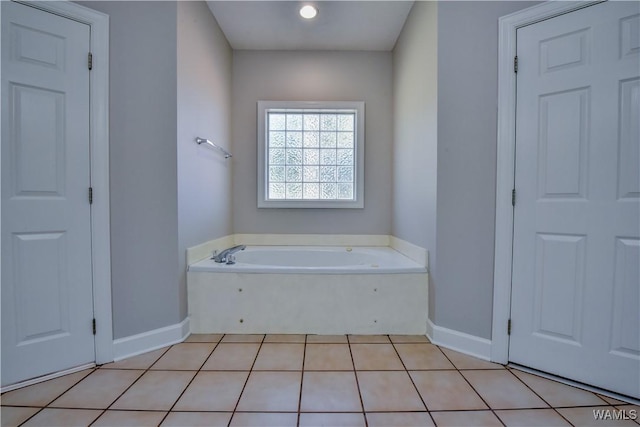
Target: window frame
[[263, 179]]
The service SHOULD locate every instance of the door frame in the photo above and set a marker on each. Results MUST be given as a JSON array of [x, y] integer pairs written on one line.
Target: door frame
[[505, 173], [99, 162]]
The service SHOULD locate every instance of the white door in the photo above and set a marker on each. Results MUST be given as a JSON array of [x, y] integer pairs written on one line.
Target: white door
[[47, 301], [576, 249]]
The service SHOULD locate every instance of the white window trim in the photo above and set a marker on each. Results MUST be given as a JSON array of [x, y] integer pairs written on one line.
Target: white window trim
[[358, 202]]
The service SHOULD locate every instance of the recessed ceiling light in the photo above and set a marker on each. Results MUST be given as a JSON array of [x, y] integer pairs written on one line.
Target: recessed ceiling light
[[308, 11]]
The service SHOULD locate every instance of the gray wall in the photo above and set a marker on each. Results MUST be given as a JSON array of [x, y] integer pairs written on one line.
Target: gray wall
[[204, 104], [313, 76], [415, 101], [143, 173], [467, 122]]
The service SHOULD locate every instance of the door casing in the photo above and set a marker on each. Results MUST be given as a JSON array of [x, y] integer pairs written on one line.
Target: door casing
[[99, 146], [505, 178]]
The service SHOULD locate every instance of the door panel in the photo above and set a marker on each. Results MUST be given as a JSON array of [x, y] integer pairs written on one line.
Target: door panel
[[562, 145], [575, 281], [625, 340], [629, 142], [558, 312], [47, 296]]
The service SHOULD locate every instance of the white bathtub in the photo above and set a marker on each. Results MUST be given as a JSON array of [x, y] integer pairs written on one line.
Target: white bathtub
[[309, 290], [314, 260]]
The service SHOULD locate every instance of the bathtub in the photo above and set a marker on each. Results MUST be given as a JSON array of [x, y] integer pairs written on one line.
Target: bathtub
[[309, 290], [314, 260]]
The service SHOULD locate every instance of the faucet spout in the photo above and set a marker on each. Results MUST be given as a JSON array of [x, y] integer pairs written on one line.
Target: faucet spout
[[223, 256]]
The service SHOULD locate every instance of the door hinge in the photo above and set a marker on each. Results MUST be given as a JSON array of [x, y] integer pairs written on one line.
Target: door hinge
[[90, 61], [90, 195], [513, 197], [509, 327], [515, 64], [94, 326]]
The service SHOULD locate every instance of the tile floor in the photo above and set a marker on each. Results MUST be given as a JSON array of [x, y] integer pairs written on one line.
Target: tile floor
[[298, 380]]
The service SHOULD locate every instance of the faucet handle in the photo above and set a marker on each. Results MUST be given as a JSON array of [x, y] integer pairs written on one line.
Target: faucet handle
[[231, 259], [214, 253]]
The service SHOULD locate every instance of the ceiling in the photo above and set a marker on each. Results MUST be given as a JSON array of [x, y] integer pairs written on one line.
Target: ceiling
[[340, 25]]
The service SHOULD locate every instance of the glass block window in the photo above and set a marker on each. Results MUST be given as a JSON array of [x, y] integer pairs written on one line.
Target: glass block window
[[312, 154]]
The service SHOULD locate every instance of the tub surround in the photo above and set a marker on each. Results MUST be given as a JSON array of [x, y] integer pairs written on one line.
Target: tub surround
[[323, 304], [249, 298]]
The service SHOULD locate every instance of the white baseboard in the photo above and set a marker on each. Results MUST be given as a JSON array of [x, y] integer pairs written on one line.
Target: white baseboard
[[151, 340], [459, 341]]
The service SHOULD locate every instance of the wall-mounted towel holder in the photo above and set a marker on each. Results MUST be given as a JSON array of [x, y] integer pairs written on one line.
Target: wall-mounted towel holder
[[214, 145]]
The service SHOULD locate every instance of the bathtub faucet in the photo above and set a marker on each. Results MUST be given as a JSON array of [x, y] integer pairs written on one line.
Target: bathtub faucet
[[224, 256]]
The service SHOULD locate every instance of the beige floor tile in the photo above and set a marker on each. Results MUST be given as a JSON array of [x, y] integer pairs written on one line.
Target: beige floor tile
[[502, 390], [280, 357], [388, 392], [532, 418], [98, 390], [327, 339], [611, 400], [557, 394], [399, 419], [197, 419], [53, 417], [332, 420], [261, 419], [43, 393], [271, 392], [142, 361], [330, 392], [13, 416], [466, 418], [243, 338], [446, 390], [587, 416], [155, 390], [422, 356], [369, 339], [212, 391], [375, 357], [204, 338], [628, 407], [284, 338], [328, 357], [129, 419], [462, 361], [408, 339], [630, 411], [232, 357], [184, 357]]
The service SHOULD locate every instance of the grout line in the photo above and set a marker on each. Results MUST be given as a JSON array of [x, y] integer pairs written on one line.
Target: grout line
[[413, 383], [36, 413], [57, 395], [233, 413], [541, 398], [192, 378], [472, 387], [144, 371], [304, 357], [355, 374]]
